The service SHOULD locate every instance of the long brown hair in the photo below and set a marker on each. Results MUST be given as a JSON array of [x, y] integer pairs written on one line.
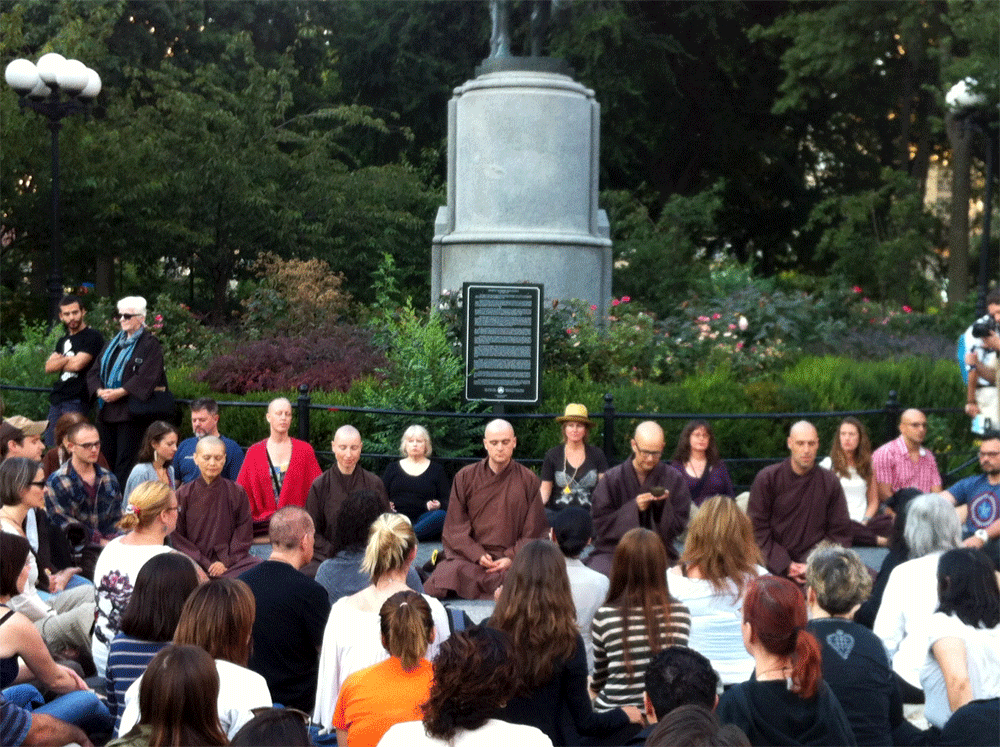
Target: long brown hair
[[639, 582], [862, 454], [776, 611], [536, 609], [218, 617], [155, 433], [720, 543], [683, 451], [179, 697], [407, 627]]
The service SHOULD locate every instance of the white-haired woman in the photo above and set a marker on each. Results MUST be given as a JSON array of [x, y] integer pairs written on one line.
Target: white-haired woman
[[128, 369], [417, 486], [910, 598]]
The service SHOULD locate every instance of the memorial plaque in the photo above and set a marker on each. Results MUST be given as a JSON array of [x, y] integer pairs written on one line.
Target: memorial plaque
[[503, 342]]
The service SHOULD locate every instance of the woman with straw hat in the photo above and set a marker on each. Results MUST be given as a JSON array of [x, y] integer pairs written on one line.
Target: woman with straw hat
[[571, 470]]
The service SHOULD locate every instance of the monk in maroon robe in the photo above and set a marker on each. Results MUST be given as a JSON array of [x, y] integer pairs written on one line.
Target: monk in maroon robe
[[494, 509], [795, 504], [214, 526], [642, 492]]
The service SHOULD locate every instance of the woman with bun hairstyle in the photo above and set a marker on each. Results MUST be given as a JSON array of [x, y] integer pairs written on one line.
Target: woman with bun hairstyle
[[177, 701], [637, 621], [217, 617], [154, 462], [151, 515], [392, 691], [474, 675], [536, 609], [351, 640], [785, 701]]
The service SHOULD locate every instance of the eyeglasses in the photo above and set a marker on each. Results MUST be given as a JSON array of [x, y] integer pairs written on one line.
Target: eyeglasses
[[124, 317], [91, 445]]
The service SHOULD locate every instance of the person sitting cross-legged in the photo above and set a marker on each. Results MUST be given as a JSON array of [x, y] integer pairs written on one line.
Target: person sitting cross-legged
[[214, 526]]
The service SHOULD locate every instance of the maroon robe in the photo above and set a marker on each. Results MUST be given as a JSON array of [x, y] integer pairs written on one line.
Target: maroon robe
[[615, 511], [488, 514], [214, 524], [325, 499], [792, 513]]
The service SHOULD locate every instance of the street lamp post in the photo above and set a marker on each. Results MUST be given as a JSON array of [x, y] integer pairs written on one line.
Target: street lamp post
[[38, 87], [968, 106]]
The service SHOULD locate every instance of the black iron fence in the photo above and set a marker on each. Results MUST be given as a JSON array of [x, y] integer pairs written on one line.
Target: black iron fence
[[616, 425]]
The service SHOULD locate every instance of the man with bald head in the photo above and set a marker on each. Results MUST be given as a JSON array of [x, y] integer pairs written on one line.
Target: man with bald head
[[494, 509], [904, 462], [795, 504], [330, 490], [277, 471], [641, 492]]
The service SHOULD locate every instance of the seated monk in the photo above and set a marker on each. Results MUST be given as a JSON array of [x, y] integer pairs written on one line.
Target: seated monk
[[494, 509], [214, 526]]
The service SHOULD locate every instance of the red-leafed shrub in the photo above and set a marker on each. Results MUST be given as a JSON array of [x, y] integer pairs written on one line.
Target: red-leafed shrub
[[327, 362]]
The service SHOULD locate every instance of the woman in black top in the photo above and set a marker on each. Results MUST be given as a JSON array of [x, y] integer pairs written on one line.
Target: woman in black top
[[417, 486], [571, 470]]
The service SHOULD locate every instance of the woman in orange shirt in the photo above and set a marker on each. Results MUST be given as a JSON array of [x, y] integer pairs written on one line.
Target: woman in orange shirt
[[392, 691]]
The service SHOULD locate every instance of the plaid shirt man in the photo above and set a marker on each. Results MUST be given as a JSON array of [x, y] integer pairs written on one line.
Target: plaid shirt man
[[66, 499]]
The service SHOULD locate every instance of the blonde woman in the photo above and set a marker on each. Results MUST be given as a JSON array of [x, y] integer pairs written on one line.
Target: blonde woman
[[351, 641], [150, 516], [417, 486]]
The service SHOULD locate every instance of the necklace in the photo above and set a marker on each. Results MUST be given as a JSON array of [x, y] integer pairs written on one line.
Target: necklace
[[570, 479]]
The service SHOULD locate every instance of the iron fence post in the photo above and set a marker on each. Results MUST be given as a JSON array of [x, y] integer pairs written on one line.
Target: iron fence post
[[892, 410], [303, 411]]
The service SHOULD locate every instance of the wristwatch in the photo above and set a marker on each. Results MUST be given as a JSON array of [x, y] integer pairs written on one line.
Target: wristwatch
[[981, 535]]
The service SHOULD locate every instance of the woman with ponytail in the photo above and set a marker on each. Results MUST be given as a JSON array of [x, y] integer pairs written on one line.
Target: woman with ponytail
[[150, 516], [351, 640], [785, 701], [391, 692]]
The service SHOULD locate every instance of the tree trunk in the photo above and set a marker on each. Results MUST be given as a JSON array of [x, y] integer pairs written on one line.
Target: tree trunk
[[959, 136]]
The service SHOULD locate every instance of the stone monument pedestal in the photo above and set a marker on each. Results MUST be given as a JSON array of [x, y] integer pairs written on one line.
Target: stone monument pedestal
[[523, 152]]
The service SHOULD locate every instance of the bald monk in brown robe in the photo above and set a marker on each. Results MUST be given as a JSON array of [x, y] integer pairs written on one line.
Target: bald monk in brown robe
[[494, 509], [641, 492], [330, 490], [795, 504], [214, 525]]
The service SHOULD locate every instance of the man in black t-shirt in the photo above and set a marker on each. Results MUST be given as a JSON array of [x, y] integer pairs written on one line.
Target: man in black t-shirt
[[74, 355]]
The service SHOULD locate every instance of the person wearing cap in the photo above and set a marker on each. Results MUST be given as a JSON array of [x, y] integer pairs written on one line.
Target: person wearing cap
[[20, 437], [570, 471]]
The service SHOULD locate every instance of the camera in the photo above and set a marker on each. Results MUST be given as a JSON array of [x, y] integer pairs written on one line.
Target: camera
[[984, 326]]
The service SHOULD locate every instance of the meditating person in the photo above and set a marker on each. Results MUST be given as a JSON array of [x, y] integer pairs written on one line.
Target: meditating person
[[177, 701], [24, 656], [155, 459], [281, 727], [697, 459], [720, 558], [393, 690], [277, 471], [149, 519], [65, 619], [910, 597], [571, 470], [851, 461], [159, 592], [417, 486], [494, 509], [962, 663], [474, 675], [343, 574], [214, 527], [217, 617], [855, 665], [785, 701], [639, 619], [641, 492], [535, 608], [351, 641]]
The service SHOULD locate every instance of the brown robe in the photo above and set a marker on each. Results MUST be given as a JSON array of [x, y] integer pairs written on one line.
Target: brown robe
[[792, 513], [214, 524], [326, 496], [488, 514], [615, 511]]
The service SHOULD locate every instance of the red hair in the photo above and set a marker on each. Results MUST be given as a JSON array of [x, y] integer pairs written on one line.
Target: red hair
[[776, 611]]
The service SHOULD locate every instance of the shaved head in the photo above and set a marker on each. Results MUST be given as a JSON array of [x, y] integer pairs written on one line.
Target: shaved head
[[209, 442], [803, 428], [498, 426], [648, 431], [910, 414], [803, 443], [347, 433], [280, 401]]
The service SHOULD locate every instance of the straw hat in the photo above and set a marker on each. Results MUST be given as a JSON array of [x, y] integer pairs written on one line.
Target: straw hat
[[575, 413]]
